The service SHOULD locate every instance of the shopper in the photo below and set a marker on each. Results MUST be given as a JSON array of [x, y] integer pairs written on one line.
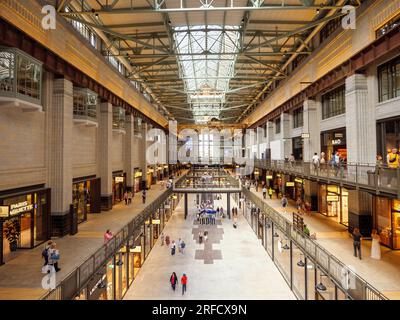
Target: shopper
[[183, 245], [173, 248], [107, 236], [264, 192], [205, 236], [173, 280], [357, 242], [179, 244], [200, 237], [284, 203], [298, 204], [167, 241], [376, 246], [184, 283], [392, 160], [130, 195], [306, 231], [126, 197], [270, 192], [315, 161], [144, 196], [54, 256], [45, 252]]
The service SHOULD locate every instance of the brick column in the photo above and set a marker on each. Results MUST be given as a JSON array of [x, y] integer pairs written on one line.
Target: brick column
[[360, 121], [128, 142], [105, 156], [311, 126], [60, 157]]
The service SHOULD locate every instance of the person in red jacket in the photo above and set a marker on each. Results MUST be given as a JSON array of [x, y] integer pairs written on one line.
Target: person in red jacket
[[184, 283]]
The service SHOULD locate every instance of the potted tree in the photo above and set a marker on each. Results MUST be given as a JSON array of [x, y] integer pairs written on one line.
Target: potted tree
[[12, 231]]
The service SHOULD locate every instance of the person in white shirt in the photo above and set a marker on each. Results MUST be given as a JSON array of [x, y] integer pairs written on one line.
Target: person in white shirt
[[315, 161]]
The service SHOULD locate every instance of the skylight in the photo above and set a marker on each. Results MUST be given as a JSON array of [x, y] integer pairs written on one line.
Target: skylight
[[206, 58]]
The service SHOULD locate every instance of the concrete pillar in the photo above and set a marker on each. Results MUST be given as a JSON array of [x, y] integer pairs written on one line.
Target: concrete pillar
[[143, 160], [186, 205], [129, 138], [286, 140], [228, 205], [60, 164], [105, 156], [360, 121], [311, 126]]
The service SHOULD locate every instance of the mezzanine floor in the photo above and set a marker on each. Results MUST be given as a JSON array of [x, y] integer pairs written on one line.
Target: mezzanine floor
[[231, 265], [382, 274], [21, 277]]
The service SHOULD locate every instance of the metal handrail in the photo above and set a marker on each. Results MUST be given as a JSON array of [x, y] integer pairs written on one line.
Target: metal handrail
[[301, 240]]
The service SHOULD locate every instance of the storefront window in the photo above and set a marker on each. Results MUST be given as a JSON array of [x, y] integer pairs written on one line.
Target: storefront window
[[109, 280], [298, 117], [118, 188], [332, 141], [81, 199], [388, 133], [396, 223], [297, 148], [389, 80], [334, 202]]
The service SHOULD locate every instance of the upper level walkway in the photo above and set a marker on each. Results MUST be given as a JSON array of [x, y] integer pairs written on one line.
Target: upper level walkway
[[334, 237], [381, 180], [21, 277]]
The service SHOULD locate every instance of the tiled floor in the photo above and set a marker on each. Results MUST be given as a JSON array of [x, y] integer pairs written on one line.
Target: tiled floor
[[241, 270], [21, 277], [382, 274]]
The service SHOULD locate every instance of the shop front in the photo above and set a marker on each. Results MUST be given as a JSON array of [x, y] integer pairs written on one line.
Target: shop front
[[160, 173], [86, 197], [297, 148], [334, 203], [388, 134], [150, 172], [332, 141], [138, 180], [298, 189], [278, 183], [24, 220], [119, 186], [387, 221]]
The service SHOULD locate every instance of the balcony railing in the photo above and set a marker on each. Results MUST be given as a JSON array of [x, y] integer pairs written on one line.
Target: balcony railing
[[20, 77], [351, 283], [379, 178], [85, 106]]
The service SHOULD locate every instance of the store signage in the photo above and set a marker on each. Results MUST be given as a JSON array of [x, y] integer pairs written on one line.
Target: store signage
[[278, 175], [269, 177], [150, 171], [332, 198], [338, 135], [4, 211], [166, 167], [289, 184], [155, 221], [396, 205], [20, 207], [305, 135], [167, 206], [138, 174], [298, 180], [119, 179], [336, 142], [159, 168], [136, 249]]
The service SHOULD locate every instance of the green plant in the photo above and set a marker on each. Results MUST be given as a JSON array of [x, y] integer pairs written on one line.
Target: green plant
[[12, 230]]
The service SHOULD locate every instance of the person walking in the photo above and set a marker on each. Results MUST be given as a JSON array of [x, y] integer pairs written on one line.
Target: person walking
[[184, 280], [315, 161], [270, 192], [45, 252], [126, 197], [162, 238], [173, 280], [284, 203], [130, 197], [392, 160], [54, 256], [173, 248], [357, 242], [200, 237], [107, 236], [167, 241], [298, 204], [144, 196], [264, 192], [205, 236], [179, 244], [183, 245], [376, 246]]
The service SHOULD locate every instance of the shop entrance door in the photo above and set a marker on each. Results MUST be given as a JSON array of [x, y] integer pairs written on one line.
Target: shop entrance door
[[25, 238]]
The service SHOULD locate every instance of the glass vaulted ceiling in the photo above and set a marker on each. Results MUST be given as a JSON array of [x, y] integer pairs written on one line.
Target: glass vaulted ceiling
[[206, 57]]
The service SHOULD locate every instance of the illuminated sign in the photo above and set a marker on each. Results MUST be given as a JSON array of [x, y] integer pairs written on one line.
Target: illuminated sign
[[336, 142], [269, 177], [155, 221], [332, 198], [298, 180], [150, 171], [396, 205], [289, 184], [20, 207], [305, 135], [138, 174], [4, 211], [119, 179]]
